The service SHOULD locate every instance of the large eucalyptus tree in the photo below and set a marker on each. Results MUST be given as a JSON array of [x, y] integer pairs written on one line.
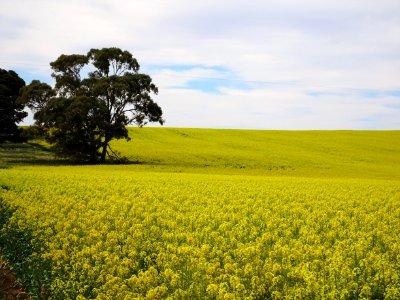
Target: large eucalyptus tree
[[94, 98]]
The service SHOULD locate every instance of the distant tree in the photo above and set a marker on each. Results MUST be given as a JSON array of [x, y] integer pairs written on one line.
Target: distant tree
[[82, 115], [11, 113]]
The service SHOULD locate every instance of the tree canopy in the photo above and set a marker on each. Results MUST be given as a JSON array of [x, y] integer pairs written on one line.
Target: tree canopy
[[82, 114], [11, 112]]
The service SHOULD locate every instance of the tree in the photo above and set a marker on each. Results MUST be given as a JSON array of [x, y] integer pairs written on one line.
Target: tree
[[11, 113], [82, 115]]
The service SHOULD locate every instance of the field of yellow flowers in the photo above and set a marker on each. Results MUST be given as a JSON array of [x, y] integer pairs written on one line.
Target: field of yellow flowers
[[242, 221]]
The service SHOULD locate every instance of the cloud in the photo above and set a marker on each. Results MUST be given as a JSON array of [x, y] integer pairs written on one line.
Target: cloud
[[203, 78], [285, 109], [258, 64]]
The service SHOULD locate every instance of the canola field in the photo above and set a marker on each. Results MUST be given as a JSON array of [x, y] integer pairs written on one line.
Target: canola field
[[211, 214]]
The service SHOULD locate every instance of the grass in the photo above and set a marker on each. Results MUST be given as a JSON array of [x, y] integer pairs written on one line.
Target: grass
[[33, 153]]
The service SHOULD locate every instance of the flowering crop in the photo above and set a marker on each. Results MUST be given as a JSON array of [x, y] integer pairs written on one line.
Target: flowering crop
[[111, 233], [144, 232]]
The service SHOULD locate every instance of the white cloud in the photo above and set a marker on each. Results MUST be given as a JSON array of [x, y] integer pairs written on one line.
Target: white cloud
[[265, 109]]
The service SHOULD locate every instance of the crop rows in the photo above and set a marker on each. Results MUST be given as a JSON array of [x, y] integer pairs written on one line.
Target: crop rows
[[112, 233]]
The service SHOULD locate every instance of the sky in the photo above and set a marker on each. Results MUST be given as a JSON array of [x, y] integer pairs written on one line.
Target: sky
[[271, 64]]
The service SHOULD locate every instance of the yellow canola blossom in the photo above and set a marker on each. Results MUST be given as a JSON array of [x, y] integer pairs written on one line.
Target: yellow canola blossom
[[113, 233]]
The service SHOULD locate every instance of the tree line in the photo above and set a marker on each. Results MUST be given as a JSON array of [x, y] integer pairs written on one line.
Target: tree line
[[94, 98]]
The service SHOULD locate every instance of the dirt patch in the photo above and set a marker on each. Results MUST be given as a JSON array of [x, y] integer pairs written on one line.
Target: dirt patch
[[8, 289]]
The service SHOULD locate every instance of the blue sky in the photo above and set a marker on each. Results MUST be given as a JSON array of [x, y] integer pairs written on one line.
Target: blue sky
[[262, 64]]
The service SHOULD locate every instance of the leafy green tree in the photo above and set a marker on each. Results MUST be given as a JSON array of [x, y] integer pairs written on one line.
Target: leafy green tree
[[11, 112], [82, 115]]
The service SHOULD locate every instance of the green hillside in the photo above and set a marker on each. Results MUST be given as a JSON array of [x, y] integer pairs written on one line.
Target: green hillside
[[374, 154], [351, 154]]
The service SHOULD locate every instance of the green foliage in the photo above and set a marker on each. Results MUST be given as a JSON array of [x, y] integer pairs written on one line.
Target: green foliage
[[73, 127], [35, 96], [82, 115], [120, 62], [30, 133], [11, 112], [67, 70]]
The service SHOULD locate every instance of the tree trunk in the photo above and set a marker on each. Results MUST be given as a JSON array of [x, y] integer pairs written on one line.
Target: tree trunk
[[104, 151]]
